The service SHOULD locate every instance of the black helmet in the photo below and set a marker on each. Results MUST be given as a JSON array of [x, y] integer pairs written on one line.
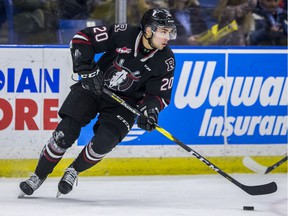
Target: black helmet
[[158, 17]]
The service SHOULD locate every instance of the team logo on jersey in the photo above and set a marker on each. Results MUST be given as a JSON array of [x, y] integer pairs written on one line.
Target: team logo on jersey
[[123, 50], [120, 78], [77, 54]]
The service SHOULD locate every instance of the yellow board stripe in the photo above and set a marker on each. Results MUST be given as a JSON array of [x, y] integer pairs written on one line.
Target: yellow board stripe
[[143, 166]]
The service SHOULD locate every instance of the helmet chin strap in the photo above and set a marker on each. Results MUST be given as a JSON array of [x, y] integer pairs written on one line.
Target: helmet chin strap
[[149, 40]]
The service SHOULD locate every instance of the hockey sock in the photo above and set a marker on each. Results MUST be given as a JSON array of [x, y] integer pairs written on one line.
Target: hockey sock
[[49, 158], [86, 159]]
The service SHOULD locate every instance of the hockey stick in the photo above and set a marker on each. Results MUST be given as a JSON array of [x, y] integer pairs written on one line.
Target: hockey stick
[[252, 190], [256, 167]]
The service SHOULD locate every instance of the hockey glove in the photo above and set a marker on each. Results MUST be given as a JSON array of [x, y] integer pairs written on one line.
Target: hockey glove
[[148, 120], [93, 81]]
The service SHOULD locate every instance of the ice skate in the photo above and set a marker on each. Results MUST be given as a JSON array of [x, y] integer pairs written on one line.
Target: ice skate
[[67, 181], [30, 185]]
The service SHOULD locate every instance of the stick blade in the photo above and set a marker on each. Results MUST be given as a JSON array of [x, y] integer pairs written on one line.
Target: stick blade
[[253, 165], [261, 189]]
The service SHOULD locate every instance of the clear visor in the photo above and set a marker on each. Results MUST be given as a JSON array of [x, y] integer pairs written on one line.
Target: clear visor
[[166, 32]]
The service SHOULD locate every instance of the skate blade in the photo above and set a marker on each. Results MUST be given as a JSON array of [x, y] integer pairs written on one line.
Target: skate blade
[[21, 194], [58, 194]]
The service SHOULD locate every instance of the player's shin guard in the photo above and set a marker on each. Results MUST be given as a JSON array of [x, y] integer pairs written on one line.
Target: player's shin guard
[[51, 154]]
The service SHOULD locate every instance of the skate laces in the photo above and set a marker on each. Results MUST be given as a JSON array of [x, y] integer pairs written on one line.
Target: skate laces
[[34, 181], [70, 176]]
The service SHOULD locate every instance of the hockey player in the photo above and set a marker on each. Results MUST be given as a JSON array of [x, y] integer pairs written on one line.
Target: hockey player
[[137, 65]]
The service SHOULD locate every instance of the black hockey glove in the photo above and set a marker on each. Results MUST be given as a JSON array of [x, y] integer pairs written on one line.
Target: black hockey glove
[[148, 120], [93, 81]]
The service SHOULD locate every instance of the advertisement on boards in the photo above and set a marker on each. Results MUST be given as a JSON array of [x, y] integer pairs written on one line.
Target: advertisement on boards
[[33, 85], [220, 96]]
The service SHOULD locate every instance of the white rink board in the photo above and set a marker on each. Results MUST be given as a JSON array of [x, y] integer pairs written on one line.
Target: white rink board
[[23, 141], [17, 65]]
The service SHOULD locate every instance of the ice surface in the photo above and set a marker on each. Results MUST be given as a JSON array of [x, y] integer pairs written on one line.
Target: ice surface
[[189, 195]]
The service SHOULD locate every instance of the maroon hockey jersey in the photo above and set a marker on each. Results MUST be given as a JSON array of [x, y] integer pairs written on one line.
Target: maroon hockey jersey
[[127, 72]]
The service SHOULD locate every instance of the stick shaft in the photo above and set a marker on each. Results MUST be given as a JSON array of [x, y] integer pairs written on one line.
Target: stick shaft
[[274, 166], [258, 168]]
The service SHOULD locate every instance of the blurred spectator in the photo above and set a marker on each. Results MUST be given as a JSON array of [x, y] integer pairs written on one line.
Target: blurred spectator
[[28, 16], [231, 13], [3, 23], [35, 21], [75, 15], [283, 4], [157, 3], [270, 24], [207, 7], [135, 9], [188, 20], [103, 10], [2, 13], [74, 9]]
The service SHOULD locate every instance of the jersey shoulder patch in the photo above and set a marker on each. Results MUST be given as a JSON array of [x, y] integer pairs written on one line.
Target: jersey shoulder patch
[[120, 27]]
